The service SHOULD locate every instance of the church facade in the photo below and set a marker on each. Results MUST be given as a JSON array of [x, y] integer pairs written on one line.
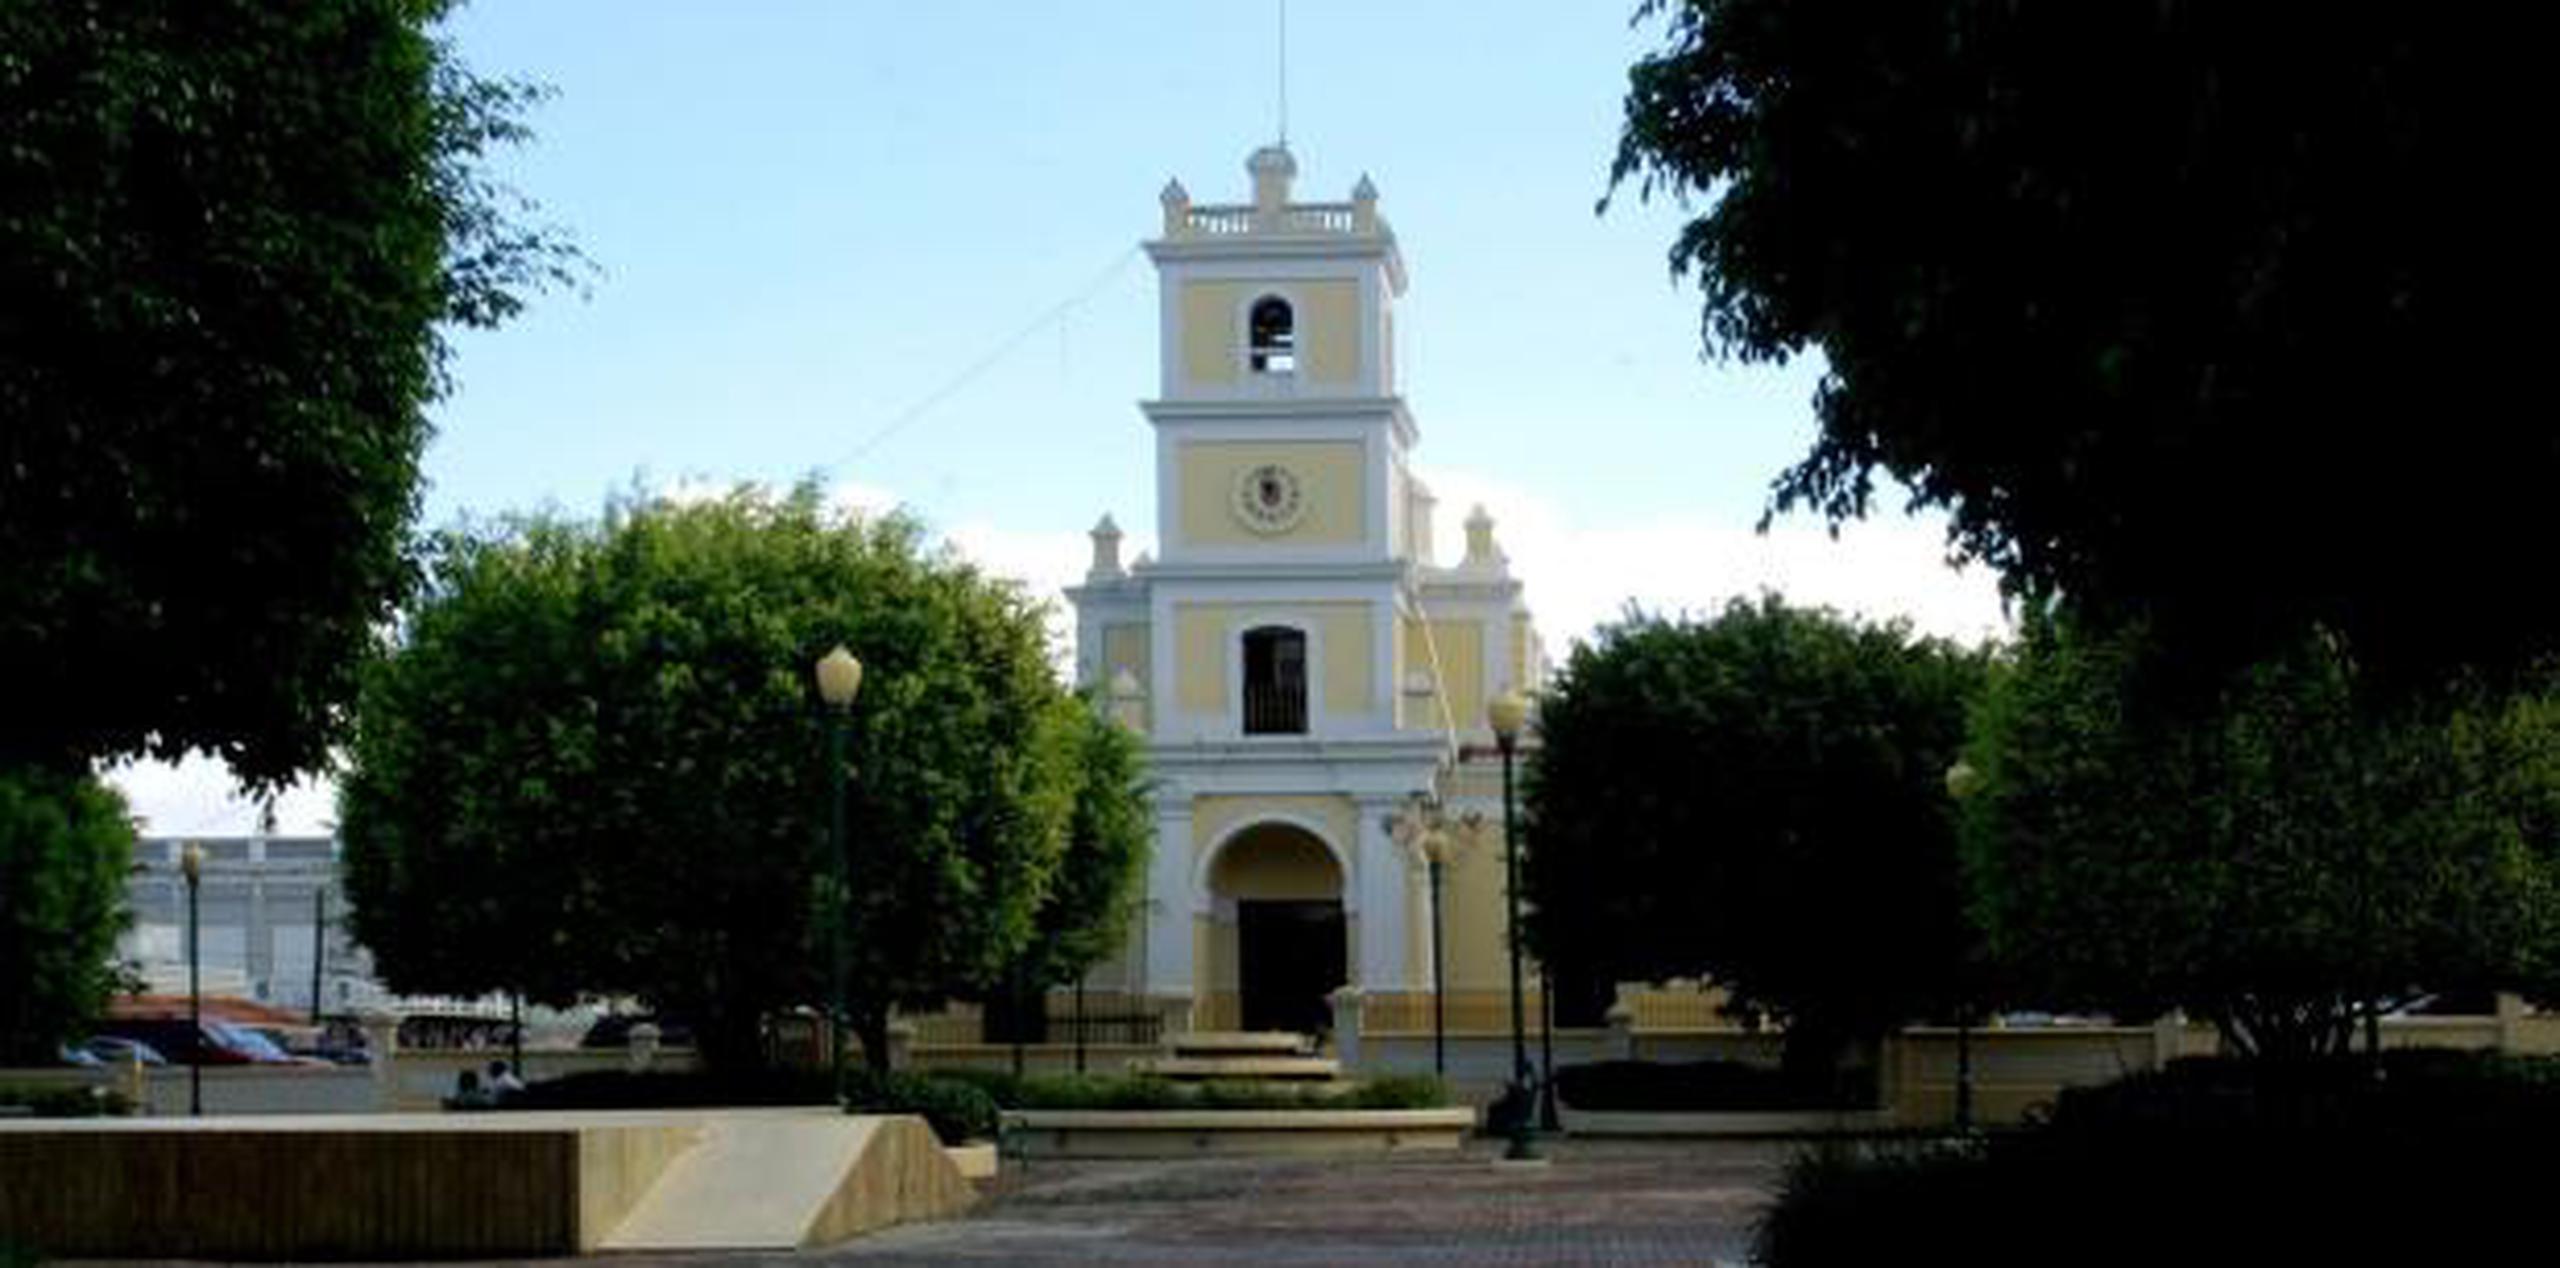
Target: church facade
[[1305, 673]]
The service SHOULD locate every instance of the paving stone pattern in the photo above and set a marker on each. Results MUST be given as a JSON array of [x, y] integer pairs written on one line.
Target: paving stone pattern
[[1653, 1203]]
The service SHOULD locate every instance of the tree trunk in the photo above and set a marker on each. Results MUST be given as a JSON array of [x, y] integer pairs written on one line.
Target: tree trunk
[[871, 1026]]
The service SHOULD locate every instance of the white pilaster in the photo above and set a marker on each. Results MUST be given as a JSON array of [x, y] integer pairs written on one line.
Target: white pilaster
[[1170, 902], [1382, 886]]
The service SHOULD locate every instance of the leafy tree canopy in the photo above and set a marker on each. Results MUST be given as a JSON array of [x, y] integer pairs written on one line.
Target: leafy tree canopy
[[2191, 312], [595, 763], [64, 844], [229, 233], [2272, 862], [1757, 798]]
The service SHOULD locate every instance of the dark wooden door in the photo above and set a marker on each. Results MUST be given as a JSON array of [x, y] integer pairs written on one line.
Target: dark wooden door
[[1290, 956]]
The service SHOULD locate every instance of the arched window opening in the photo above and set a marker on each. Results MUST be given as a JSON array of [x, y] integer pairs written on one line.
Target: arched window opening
[[1274, 330], [1275, 681]]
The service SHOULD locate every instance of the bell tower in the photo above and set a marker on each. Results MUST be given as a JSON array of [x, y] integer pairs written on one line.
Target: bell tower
[[1298, 665], [1281, 433]]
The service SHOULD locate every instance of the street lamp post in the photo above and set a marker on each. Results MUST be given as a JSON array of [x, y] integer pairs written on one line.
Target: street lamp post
[[1507, 713], [191, 862], [1435, 836], [1962, 782], [839, 679], [1432, 849]]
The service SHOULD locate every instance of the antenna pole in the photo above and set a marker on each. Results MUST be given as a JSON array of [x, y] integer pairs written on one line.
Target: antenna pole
[[1284, 74]]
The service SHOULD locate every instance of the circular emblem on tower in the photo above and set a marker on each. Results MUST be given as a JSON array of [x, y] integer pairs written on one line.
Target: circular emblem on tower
[[1268, 499]]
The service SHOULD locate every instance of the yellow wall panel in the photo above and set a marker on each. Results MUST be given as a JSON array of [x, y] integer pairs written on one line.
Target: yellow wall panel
[[1328, 331], [1347, 686], [1204, 642], [1209, 331], [1200, 650], [1460, 676], [1331, 474]]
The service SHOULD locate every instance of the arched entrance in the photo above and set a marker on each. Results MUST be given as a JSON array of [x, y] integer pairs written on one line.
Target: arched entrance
[[1289, 938]]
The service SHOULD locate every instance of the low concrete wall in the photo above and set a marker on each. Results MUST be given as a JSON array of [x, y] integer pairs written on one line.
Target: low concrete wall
[[413, 1081], [314, 1188], [1211, 1133], [1037, 1058], [1738, 1124], [163, 1091]]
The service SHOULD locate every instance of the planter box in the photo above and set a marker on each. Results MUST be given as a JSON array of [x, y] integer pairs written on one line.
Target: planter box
[[1213, 1133], [1582, 1122]]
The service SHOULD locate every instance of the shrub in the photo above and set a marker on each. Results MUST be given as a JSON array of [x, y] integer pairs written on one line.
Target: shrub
[[2426, 1161], [1003, 1086], [1705, 1086], [68, 1102], [957, 1111]]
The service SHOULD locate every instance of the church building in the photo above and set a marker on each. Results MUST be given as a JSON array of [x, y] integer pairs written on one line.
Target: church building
[[1303, 671]]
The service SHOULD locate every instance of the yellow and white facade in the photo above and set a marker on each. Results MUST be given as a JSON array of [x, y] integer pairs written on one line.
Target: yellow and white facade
[[1298, 662]]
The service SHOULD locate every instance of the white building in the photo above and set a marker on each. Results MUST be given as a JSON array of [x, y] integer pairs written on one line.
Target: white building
[[268, 905]]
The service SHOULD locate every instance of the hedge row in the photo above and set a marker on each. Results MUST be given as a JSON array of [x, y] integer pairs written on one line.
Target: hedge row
[[2430, 1157]]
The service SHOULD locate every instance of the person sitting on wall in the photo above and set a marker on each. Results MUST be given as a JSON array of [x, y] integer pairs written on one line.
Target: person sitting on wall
[[468, 1094], [503, 1082]]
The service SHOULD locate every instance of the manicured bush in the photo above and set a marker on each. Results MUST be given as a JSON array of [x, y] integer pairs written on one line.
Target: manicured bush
[[2429, 1157], [67, 1102], [957, 1111], [1706, 1086]]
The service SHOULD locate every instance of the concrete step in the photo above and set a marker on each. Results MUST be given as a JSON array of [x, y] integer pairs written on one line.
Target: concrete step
[[1240, 1043], [1246, 1069]]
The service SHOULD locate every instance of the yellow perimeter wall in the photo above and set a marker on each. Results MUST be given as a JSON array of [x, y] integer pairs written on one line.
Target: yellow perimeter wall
[[1204, 641], [1328, 315], [1329, 471]]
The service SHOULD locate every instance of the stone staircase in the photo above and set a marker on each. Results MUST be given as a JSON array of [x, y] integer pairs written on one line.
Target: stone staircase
[[1240, 1056]]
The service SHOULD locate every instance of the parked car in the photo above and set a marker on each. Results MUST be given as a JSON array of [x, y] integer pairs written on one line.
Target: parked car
[[261, 1049], [186, 1043], [118, 1050], [68, 1054]]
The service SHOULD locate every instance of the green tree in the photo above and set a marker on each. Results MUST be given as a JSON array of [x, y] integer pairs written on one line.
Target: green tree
[[2273, 861], [64, 845], [1757, 798], [1083, 919], [601, 745], [2185, 310], [230, 235]]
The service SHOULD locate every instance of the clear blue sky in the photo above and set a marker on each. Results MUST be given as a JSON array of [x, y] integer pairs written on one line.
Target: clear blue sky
[[810, 218]]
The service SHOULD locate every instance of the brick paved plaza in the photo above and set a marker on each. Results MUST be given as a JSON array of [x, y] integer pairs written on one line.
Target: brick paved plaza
[[1631, 1203], [1598, 1203]]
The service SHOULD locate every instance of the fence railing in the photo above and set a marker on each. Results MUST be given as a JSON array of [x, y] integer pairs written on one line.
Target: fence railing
[[1275, 710], [1226, 220]]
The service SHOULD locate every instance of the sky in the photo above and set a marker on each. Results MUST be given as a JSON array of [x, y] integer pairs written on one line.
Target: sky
[[894, 247]]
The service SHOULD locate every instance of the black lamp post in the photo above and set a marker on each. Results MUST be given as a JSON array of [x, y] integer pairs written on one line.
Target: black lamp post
[[839, 679], [1435, 837], [1507, 713], [1432, 850], [1963, 781], [191, 863]]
